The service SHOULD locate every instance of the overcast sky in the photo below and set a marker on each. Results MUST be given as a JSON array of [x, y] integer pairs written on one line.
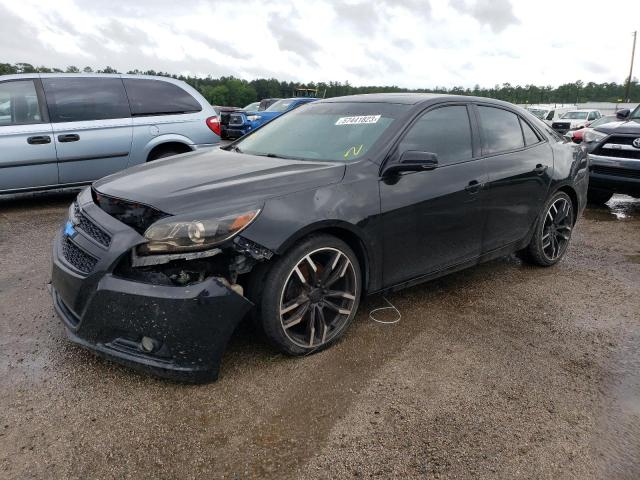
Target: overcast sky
[[409, 43]]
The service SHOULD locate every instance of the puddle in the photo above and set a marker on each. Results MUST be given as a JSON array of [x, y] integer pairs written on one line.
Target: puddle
[[634, 258], [620, 207]]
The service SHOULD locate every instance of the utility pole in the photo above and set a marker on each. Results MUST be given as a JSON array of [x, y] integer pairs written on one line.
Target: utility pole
[[633, 54]]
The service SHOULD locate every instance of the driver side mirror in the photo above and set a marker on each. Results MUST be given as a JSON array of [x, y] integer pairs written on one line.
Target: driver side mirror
[[413, 161], [622, 114]]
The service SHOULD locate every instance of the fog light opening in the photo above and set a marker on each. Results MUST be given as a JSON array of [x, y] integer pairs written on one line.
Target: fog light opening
[[148, 344]]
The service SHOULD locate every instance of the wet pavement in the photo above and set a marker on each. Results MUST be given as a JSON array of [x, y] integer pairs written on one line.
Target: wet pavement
[[500, 371]]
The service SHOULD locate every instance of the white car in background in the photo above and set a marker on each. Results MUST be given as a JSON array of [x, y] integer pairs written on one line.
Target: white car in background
[[575, 119], [549, 113]]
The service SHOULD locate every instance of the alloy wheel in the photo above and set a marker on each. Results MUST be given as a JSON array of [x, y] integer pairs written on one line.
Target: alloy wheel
[[557, 227], [318, 297]]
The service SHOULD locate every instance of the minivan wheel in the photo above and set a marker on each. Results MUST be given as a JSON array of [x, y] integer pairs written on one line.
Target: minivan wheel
[[163, 154], [598, 197], [552, 232], [310, 295]]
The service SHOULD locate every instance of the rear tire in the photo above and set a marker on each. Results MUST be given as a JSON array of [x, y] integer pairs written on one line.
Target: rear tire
[[552, 232], [310, 296], [598, 197]]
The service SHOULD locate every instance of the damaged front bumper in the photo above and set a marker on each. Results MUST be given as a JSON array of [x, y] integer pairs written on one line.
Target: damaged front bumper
[[173, 331]]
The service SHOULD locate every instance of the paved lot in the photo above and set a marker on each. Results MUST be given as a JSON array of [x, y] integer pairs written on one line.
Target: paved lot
[[502, 371]]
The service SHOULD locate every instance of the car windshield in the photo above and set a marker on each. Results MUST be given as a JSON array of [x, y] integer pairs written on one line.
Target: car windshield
[[603, 120], [636, 113], [323, 131], [252, 106], [575, 115], [280, 106]]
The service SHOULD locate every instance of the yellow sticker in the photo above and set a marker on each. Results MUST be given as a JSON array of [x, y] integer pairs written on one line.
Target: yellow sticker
[[354, 151]]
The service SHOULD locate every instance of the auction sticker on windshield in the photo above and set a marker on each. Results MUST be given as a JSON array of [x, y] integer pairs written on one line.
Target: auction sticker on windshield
[[359, 120]]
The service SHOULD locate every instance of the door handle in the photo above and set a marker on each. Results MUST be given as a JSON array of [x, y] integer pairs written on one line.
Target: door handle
[[70, 137], [540, 169], [473, 187], [39, 140]]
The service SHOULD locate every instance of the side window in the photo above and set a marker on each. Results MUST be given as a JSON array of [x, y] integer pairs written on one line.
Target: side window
[[75, 99], [530, 136], [550, 115], [19, 103], [592, 116], [445, 131], [501, 130], [155, 97]]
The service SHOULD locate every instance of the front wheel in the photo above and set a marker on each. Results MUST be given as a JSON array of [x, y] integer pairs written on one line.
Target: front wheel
[[310, 295], [552, 231]]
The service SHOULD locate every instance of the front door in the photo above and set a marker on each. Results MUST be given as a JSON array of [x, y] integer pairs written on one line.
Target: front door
[[92, 126], [434, 219], [519, 165], [27, 151]]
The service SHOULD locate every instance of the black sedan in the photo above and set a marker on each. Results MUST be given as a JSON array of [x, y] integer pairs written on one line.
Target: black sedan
[[157, 265]]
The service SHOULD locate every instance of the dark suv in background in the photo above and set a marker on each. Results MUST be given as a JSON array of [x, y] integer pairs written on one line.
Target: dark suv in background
[[614, 157]]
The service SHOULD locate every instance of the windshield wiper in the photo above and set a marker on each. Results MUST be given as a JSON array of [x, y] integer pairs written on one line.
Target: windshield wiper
[[232, 148], [274, 155]]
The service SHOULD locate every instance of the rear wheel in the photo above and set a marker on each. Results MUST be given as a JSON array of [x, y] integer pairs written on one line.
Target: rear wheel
[[164, 154], [552, 232], [598, 197], [310, 296]]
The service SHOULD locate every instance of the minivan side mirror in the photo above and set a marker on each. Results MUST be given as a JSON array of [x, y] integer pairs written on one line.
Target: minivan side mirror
[[413, 161], [622, 114]]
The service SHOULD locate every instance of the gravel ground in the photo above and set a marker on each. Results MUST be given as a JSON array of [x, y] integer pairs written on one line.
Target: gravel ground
[[501, 371]]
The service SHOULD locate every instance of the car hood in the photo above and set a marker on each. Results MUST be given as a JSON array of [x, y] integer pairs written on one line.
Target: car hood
[[624, 127], [216, 180]]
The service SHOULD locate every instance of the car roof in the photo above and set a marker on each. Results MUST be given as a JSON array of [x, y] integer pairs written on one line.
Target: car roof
[[90, 75], [415, 99]]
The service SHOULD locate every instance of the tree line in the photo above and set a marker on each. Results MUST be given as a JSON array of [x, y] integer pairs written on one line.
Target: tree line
[[237, 92]]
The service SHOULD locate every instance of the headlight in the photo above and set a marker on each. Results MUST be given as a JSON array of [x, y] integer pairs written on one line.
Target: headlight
[[172, 235], [594, 136], [253, 118]]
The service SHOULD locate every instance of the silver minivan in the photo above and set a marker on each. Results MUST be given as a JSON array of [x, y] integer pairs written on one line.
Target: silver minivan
[[66, 130]]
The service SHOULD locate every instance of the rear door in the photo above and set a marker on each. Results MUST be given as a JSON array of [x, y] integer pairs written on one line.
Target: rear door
[[91, 126], [519, 167], [27, 153]]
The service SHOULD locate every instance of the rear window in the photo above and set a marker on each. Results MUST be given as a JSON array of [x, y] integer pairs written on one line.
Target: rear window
[[501, 130], [155, 97], [74, 99]]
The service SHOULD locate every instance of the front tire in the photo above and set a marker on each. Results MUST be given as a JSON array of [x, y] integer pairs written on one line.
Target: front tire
[[552, 231], [310, 296]]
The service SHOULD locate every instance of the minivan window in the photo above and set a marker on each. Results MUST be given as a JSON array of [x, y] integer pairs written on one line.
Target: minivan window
[[530, 136], [155, 97], [75, 99], [19, 103], [500, 129], [445, 131]]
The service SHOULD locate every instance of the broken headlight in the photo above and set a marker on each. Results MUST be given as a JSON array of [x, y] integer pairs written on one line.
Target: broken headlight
[[172, 235]]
